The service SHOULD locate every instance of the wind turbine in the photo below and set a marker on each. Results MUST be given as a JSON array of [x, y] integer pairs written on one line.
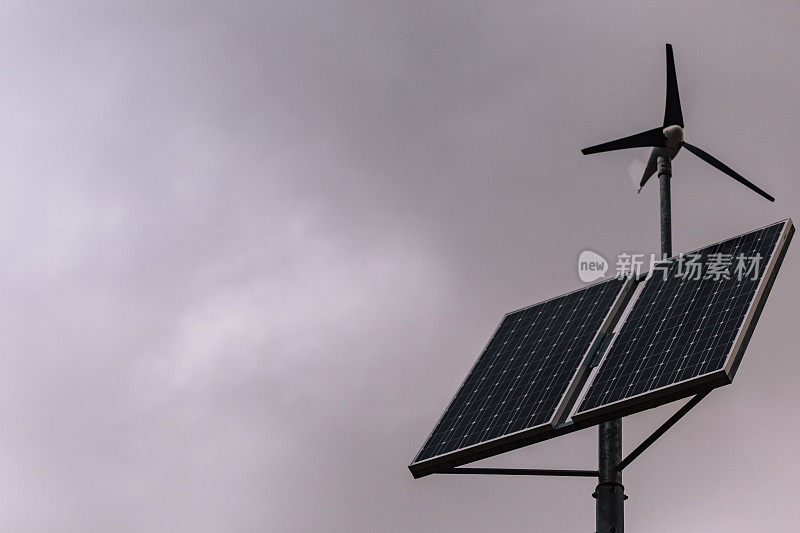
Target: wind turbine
[[667, 140]]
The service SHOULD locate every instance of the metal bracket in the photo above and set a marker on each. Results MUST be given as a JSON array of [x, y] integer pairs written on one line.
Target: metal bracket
[[522, 472], [661, 430]]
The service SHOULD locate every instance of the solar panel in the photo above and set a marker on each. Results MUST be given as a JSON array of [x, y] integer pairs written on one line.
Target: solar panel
[[526, 379], [689, 326]]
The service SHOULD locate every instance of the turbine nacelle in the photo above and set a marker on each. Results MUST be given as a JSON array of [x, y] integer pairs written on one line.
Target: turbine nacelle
[[673, 137]]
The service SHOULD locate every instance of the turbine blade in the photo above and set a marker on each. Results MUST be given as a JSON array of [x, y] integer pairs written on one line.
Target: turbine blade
[[650, 168], [672, 111], [714, 162], [654, 137]]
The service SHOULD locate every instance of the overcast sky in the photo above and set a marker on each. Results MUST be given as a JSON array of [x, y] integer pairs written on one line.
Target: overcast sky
[[252, 248]]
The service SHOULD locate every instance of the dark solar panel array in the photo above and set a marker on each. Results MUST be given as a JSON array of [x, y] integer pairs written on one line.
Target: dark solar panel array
[[520, 378], [681, 328]]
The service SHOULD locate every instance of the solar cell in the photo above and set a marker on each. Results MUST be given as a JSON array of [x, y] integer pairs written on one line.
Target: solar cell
[[689, 326], [527, 377]]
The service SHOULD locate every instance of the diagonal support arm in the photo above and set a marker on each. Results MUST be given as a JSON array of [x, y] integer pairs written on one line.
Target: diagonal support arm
[[660, 431]]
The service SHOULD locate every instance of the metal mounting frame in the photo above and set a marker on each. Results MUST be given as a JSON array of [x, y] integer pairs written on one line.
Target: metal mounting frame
[[646, 443]]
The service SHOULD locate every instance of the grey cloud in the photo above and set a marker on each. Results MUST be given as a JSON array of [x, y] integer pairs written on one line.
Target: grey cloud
[[251, 249]]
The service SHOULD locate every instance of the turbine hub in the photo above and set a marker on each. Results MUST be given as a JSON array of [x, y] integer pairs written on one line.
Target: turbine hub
[[674, 137]]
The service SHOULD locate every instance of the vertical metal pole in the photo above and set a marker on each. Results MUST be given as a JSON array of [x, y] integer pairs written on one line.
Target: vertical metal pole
[[610, 494], [664, 175]]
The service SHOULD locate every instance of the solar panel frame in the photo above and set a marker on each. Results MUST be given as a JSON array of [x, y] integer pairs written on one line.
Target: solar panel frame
[[556, 425], [696, 384]]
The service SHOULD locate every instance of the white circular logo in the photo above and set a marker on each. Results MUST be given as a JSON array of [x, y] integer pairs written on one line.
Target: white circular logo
[[591, 266]]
